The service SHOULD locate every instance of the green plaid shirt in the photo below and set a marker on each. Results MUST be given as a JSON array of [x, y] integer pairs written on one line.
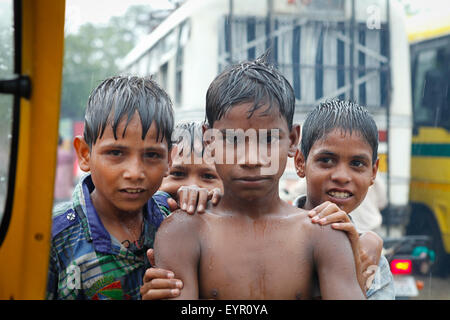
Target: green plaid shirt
[[86, 262]]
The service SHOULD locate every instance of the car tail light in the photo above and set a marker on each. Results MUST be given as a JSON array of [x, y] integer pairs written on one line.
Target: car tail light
[[401, 266]]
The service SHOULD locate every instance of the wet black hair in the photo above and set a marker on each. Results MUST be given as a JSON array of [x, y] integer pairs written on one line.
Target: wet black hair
[[120, 96], [188, 135], [251, 81], [345, 115]]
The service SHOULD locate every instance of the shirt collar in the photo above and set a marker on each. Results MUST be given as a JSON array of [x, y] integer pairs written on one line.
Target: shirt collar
[[96, 231], [300, 201], [100, 237]]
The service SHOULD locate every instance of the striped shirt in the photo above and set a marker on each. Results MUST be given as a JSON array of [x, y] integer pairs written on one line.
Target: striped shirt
[[86, 262]]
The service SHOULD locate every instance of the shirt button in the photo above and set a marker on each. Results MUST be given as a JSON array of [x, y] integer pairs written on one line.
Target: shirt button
[[71, 216]]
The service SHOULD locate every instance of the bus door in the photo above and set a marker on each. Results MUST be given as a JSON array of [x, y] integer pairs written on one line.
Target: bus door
[[31, 55]]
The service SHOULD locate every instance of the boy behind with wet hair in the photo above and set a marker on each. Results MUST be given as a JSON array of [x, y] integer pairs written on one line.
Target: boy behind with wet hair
[[338, 156], [192, 169], [100, 238], [253, 245]]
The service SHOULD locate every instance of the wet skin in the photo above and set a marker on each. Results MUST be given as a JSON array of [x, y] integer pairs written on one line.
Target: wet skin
[[253, 245]]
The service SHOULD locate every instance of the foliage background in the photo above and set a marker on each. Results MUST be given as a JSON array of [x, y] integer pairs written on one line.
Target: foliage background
[[93, 52]]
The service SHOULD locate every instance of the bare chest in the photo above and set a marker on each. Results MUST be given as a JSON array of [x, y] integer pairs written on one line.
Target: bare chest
[[261, 260]]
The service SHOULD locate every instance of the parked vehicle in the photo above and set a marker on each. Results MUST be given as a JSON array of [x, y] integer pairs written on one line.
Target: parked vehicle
[[408, 257]]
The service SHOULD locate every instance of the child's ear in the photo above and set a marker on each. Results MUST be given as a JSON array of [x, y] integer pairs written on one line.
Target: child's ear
[[83, 153], [299, 162], [374, 171], [294, 137]]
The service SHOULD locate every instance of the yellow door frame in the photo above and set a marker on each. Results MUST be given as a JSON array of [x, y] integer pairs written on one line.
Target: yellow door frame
[[24, 253]]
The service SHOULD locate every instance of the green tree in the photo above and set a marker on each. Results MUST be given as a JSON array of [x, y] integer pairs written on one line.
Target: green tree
[[93, 53]]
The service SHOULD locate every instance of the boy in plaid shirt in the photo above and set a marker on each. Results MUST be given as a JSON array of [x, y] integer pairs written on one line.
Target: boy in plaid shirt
[[100, 237]]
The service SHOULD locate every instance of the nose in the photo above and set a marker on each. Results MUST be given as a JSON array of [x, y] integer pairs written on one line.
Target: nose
[[193, 180], [254, 156], [341, 174], [199, 183], [134, 169]]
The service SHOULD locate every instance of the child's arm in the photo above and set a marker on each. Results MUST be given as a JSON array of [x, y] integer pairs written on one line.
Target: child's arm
[[159, 283], [177, 248], [335, 265], [371, 246], [330, 213], [366, 247], [370, 243]]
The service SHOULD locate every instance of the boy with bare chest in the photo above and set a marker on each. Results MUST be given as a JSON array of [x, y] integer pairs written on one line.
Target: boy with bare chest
[[247, 265], [253, 245]]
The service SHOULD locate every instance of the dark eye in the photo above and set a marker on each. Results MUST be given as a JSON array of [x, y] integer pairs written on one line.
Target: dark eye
[[152, 155], [115, 153], [325, 160], [178, 174], [209, 176], [357, 163]]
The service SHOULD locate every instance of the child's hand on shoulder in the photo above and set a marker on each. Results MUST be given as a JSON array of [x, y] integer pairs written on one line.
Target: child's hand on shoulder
[[329, 213], [191, 198]]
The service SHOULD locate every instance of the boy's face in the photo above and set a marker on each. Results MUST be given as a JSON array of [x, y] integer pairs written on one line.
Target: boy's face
[[256, 163], [339, 169], [126, 172], [190, 172]]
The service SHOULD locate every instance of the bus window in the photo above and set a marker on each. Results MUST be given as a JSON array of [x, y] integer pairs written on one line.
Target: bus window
[[431, 84], [6, 100]]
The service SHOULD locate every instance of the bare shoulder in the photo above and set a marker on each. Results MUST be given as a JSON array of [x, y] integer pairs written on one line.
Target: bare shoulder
[[327, 232], [318, 233], [329, 241], [180, 221], [182, 216], [178, 230], [299, 217], [294, 211], [177, 246]]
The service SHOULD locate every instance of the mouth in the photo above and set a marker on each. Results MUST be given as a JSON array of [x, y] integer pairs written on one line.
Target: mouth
[[341, 195], [253, 178], [132, 190], [252, 182]]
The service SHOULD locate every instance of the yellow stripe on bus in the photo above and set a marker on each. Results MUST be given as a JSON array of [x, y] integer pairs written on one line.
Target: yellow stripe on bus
[[428, 34], [382, 164], [432, 169]]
